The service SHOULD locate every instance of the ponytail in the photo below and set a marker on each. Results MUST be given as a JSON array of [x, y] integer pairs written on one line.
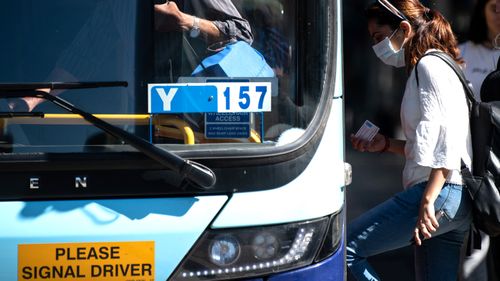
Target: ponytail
[[431, 31]]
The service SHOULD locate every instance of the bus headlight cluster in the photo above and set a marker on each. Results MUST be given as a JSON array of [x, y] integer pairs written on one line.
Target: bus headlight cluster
[[256, 251]]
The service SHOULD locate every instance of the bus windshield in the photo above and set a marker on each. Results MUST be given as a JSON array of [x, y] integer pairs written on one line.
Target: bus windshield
[[245, 82]]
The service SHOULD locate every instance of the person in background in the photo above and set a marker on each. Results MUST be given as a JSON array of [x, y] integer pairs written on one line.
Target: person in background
[[482, 49], [267, 19], [434, 210], [481, 53]]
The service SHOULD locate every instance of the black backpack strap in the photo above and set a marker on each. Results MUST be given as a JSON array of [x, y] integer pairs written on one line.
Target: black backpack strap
[[448, 60], [473, 240], [416, 68], [498, 63]]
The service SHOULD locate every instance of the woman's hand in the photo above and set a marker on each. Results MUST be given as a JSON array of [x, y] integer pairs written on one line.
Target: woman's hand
[[426, 223], [377, 144]]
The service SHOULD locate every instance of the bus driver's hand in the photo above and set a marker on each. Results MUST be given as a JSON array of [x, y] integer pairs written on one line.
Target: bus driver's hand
[[168, 17], [375, 145]]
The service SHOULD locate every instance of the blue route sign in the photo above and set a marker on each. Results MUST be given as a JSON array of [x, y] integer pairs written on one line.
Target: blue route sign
[[223, 97]]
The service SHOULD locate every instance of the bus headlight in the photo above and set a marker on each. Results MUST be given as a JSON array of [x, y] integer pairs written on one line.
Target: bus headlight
[[224, 250], [247, 252], [265, 246]]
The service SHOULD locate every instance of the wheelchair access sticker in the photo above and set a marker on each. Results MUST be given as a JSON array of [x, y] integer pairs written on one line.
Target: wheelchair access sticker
[[113, 261], [222, 97], [227, 125]]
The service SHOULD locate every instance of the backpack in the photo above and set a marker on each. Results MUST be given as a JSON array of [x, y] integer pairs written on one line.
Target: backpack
[[483, 183], [490, 89]]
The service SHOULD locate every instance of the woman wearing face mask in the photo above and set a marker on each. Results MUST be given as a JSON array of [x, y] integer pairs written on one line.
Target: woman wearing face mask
[[433, 212]]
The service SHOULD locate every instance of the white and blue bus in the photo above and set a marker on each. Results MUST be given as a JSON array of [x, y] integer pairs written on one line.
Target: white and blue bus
[[127, 153]]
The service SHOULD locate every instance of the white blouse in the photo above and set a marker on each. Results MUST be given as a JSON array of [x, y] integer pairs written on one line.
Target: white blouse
[[435, 121]]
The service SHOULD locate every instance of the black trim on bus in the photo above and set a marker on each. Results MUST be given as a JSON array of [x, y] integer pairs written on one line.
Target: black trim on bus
[[119, 171]]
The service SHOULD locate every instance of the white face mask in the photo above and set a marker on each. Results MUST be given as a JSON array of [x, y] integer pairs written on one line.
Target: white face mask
[[386, 53]]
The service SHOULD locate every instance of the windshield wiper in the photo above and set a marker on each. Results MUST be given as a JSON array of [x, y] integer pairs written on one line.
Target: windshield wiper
[[21, 114], [193, 171]]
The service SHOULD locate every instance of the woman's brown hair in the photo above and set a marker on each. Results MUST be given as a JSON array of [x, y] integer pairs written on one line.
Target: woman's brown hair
[[430, 30]]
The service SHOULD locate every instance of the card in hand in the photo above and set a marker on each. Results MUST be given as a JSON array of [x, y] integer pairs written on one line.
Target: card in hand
[[367, 131]]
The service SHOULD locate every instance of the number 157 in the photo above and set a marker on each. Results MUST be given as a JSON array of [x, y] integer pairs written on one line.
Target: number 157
[[245, 98]]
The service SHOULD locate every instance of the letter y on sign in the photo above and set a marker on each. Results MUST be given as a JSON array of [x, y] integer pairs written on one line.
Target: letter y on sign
[[167, 98]]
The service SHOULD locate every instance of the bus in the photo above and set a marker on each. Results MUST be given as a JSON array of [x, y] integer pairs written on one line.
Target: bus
[[129, 152]]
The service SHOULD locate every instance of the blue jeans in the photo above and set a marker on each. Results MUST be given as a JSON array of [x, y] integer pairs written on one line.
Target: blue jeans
[[390, 226]]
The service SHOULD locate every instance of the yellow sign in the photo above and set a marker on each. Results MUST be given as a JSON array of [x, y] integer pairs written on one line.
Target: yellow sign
[[110, 261]]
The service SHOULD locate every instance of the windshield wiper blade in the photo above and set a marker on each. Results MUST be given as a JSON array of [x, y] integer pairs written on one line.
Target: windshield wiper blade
[[4, 114], [195, 172], [60, 85]]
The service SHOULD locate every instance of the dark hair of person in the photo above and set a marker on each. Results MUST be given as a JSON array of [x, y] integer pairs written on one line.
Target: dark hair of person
[[430, 29], [382, 16], [478, 30]]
